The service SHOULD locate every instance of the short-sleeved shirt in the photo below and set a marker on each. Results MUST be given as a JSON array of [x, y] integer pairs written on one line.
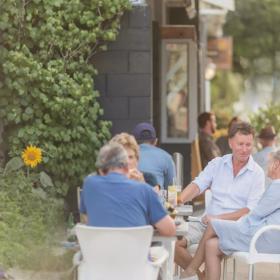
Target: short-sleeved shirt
[[116, 201], [159, 162], [261, 158], [208, 148], [236, 235], [231, 193]]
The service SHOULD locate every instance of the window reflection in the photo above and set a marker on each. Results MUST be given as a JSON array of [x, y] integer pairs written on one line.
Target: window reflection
[[176, 90]]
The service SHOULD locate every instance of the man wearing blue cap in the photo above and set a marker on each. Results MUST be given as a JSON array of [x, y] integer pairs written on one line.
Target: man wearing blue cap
[[153, 159]]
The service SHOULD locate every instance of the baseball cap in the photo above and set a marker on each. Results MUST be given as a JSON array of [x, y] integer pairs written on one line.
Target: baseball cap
[[144, 131]]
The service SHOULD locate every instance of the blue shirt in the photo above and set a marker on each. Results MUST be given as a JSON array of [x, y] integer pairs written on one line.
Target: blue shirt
[[236, 235], [231, 193], [267, 211], [261, 158], [116, 201], [159, 162]]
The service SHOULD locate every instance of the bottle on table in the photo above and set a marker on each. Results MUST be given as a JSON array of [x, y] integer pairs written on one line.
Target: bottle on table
[[172, 195]]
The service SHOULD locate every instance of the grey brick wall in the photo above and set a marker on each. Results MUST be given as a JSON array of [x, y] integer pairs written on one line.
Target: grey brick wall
[[124, 79]]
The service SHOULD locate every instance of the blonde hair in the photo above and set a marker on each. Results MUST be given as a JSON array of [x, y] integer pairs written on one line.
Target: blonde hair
[[127, 141]]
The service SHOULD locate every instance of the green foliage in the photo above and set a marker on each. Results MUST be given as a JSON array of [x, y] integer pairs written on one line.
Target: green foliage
[[268, 115], [29, 222], [47, 96], [225, 90], [254, 26]]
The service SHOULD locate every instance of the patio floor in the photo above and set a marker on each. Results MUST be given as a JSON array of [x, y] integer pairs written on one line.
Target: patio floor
[[262, 271]]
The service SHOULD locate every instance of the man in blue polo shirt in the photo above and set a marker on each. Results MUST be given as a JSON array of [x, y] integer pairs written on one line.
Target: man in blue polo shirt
[[113, 200], [153, 159]]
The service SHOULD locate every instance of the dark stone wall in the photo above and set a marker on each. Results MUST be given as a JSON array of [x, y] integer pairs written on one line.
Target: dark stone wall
[[124, 79], [129, 77]]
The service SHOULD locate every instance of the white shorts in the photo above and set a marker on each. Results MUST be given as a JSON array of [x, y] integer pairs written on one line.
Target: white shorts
[[195, 232]]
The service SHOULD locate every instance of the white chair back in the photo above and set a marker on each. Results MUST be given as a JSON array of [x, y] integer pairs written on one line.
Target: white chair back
[[114, 253]]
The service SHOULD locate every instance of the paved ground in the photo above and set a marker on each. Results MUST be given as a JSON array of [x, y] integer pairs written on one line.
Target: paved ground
[[18, 274], [262, 271]]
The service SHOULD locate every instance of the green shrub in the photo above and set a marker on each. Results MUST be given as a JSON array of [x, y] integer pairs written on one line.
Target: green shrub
[[267, 115], [29, 221], [47, 95]]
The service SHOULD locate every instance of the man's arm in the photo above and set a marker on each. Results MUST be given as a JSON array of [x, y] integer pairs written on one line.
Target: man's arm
[[166, 226], [227, 216], [200, 183], [190, 192]]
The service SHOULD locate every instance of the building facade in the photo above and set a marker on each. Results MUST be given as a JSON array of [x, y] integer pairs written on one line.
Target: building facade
[[155, 70]]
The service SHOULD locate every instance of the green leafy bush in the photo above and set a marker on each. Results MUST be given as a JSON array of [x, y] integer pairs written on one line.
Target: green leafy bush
[[268, 115], [29, 218], [47, 95]]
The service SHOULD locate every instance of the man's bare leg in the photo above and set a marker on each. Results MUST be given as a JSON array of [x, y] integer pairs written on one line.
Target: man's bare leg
[[213, 257], [182, 256], [199, 256]]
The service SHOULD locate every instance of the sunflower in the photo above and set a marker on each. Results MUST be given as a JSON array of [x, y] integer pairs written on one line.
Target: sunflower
[[32, 156]]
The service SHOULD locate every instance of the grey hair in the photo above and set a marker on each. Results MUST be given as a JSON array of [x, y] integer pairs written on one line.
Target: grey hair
[[275, 155], [110, 156]]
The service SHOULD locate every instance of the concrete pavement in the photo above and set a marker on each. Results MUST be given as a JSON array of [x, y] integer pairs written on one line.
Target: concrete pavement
[[263, 271]]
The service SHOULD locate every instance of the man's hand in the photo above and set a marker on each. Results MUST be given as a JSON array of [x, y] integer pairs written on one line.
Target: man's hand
[[207, 218]]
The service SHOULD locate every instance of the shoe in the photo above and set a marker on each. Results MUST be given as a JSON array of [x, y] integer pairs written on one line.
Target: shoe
[[194, 277]]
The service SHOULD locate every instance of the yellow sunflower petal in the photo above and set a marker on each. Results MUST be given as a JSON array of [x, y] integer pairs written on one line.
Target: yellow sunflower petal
[[32, 156]]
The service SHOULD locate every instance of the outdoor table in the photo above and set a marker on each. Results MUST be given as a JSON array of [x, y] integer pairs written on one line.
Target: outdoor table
[[184, 210], [169, 242]]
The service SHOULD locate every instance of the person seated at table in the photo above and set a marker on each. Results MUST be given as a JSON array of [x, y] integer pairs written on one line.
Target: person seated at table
[[129, 143], [224, 237], [113, 200], [152, 158], [236, 182]]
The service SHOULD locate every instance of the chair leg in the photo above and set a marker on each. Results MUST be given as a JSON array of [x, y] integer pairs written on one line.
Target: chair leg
[[225, 269], [251, 272], [234, 269]]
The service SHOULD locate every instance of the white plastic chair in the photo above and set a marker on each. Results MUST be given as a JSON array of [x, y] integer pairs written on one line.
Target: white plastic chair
[[253, 256], [117, 254]]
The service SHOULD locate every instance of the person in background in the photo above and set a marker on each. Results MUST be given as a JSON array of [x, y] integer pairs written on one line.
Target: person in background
[[113, 200], [207, 127], [222, 238], [153, 159], [236, 182], [222, 141], [129, 143], [267, 139]]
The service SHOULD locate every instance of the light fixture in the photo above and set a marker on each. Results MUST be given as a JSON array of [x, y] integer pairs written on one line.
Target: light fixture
[[210, 70]]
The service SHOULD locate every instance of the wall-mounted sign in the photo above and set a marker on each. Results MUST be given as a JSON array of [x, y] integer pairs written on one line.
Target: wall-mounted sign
[[138, 2], [220, 52]]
